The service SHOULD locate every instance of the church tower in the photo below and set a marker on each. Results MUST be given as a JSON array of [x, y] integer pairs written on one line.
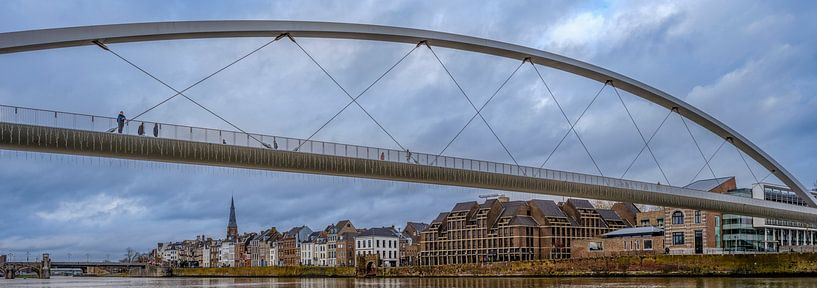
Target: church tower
[[232, 227]]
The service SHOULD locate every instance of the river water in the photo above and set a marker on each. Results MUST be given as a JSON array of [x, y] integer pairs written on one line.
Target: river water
[[60, 282]]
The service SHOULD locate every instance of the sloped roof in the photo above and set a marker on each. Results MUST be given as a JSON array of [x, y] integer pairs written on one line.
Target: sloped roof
[[488, 203], [707, 184], [342, 223], [631, 207], [609, 215], [635, 231], [580, 203], [549, 208], [511, 208], [464, 206], [523, 220], [382, 232], [440, 217], [419, 227]]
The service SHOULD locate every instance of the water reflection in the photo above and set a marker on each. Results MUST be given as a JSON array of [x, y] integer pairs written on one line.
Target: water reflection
[[68, 282]]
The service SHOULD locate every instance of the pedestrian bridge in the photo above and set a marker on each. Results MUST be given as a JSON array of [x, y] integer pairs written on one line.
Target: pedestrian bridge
[[77, 134], [46, 131]]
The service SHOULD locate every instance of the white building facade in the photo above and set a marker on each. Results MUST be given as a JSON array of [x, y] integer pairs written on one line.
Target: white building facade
[[226, 254], [778, 233], [385, 242]]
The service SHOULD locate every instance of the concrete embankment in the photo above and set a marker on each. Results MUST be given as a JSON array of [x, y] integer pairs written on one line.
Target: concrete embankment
[[296, 271], [658, 265]]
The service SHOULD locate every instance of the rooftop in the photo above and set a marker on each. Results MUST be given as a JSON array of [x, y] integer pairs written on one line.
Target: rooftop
[[635, 231], [381, 232], [707, 184]]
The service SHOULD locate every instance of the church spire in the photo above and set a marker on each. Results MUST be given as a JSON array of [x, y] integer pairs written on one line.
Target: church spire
[[232, 214], [232, 227]]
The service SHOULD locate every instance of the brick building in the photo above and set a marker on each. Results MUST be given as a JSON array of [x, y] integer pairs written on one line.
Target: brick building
[[290, 244], [634, 241], [689, 231], [502, 230]]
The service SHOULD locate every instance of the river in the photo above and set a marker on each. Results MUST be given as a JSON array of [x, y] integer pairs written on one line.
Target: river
[[64, 282]]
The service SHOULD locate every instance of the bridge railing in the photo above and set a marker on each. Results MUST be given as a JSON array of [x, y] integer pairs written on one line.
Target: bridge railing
[[57, 119]]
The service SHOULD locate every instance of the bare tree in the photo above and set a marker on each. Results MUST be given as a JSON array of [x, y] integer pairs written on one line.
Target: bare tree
[[130, 254]]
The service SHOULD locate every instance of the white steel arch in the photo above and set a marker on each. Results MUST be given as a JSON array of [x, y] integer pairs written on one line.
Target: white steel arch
[[12, 42]]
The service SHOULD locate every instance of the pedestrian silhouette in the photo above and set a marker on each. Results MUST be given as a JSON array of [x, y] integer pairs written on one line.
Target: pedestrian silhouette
[[120, 121], [141, 130], [155, 129], [224, 141], [274, 144], [382, 156], [408, 156]]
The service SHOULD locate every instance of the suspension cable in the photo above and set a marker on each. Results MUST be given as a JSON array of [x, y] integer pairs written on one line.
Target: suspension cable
[[732, 141], [185, 96], [767, 176], [479, 111], [344, 91], [358, 96], [572, 128], [566, 118], [648, 141], [105, 47], [706, 162], [647, 144], [462, 91]]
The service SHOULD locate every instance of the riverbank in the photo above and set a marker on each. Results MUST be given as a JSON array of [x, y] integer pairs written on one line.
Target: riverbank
[[293, 271], [656, 265]]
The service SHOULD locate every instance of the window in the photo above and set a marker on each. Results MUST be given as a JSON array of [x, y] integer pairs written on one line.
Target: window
[[697, 216], [645, 222], [647, 244], [370, 243], [677, 238], [677, 217], [660, 222], [626, 245], [595, 246]]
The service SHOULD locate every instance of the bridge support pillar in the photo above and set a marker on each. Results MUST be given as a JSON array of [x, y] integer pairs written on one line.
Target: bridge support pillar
[[45, 268], [9, 272]]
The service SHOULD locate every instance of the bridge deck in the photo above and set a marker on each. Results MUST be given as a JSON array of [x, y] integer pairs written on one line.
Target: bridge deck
[[65, 133]]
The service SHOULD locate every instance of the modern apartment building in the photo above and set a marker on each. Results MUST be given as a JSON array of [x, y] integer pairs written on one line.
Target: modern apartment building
[[756, 234], [503, 230]]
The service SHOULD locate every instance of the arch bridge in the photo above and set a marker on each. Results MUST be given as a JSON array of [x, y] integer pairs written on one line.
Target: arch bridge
[[27, 129]]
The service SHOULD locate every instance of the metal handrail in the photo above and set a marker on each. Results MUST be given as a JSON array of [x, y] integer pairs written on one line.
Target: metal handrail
[[52, 118]]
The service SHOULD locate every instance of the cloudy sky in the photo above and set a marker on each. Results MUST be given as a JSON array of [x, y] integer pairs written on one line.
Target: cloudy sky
[[749, 64]]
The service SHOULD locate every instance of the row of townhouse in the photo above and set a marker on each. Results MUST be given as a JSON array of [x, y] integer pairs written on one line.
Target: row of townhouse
[[339, 244]]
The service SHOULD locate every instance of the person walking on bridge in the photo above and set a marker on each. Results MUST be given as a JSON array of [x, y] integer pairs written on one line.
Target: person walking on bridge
[[141, 130], [120, 121], [155, 129]]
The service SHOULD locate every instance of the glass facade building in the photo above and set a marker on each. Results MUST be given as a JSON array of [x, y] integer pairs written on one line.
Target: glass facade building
[[755, 234]]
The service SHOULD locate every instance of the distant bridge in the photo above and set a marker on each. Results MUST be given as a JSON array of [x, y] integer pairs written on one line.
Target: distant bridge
[[43, 267], [60, 133]]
